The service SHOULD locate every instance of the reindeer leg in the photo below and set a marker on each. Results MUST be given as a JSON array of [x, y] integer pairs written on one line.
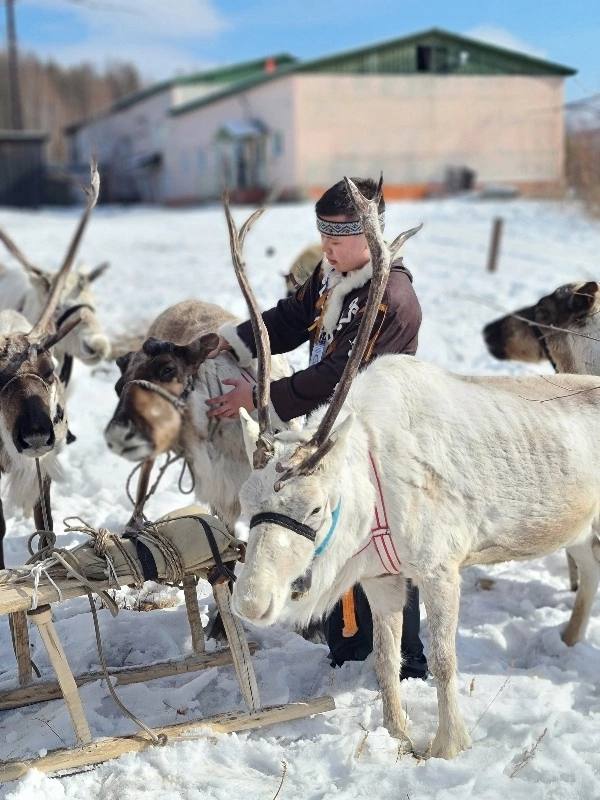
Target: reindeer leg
[[441, 594], [588, 570], [572, 567], [386, 599]]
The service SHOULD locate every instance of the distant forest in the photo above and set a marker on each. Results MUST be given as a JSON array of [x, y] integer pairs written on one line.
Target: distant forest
[[54, 96]]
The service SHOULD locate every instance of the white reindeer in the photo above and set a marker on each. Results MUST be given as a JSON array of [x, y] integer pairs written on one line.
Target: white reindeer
[[33, 424], [27, 291], [462, 470]]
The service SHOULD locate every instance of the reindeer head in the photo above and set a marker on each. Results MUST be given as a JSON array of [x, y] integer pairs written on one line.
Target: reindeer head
[[294, 490], [523, 335], [289, 523], [32, 418], [302, 268], [87, 341], [152, 390]]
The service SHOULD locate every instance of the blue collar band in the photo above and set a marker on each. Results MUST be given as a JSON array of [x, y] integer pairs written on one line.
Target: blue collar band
[[327, 540]]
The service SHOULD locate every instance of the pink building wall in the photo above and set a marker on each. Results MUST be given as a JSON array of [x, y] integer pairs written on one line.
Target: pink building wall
[[509, 129]]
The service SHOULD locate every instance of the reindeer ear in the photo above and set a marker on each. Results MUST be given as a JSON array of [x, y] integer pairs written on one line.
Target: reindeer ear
[[583, 298], [197, 351], [250, 431], [40, 279], [123, 361], [98, 271], [339, 437]]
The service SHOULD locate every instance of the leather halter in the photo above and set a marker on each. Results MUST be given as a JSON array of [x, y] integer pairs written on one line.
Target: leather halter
[[177, 401], [33, 375], [302, 584], [67, 365], [284, 522], [72, 310], [541, 337]]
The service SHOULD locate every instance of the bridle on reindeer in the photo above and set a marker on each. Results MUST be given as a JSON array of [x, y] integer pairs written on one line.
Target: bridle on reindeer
[[308, 455]]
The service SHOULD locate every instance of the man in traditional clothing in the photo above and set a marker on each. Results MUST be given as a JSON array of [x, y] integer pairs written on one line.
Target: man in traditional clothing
[[326, 311]]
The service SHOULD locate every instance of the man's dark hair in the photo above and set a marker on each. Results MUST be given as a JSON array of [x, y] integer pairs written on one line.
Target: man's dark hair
[[337, 201]]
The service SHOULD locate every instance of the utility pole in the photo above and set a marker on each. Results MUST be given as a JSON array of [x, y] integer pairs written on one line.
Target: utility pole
[[16, 112]]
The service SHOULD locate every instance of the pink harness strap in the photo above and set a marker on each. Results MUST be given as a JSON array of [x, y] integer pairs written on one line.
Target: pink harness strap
[[381, 538]]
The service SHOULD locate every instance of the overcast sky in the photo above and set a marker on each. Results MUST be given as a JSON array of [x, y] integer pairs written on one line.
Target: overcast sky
[[166, 38]]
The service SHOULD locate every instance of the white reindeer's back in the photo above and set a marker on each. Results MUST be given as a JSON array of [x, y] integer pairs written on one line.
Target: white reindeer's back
[[449, 444], [13, 288]]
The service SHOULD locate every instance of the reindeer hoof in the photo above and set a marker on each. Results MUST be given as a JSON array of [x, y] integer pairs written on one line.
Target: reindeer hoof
[[449, 747], [405, 743], [569, 638]]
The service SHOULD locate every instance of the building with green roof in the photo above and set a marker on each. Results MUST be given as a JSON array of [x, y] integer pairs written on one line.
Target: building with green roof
[[424, 108]]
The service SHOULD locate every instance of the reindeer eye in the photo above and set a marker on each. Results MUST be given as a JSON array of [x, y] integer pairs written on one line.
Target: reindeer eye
[[167, 373], [315, 511]]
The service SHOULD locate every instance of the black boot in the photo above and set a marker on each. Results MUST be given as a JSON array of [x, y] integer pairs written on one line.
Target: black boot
[[414, 663]]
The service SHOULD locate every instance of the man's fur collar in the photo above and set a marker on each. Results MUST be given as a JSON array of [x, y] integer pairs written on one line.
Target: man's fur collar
[[341, 285]]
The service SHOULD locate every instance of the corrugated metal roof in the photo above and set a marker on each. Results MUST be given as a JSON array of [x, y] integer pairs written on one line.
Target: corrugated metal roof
[[397, 56], [232, 73]]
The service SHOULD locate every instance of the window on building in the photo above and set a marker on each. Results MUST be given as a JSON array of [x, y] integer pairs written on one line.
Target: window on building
[[277, 143], [432, 58], [424, 57]]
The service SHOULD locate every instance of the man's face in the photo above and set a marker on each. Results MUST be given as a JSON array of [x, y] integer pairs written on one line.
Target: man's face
[[345, 253]]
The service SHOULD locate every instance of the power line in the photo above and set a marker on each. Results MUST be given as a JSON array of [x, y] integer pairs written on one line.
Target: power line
[[16, 110]]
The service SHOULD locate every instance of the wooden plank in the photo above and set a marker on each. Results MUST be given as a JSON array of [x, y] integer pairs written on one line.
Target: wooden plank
[[105, 749], [42, 617], [193, 613], [20, 639], [19, 596], [121, 676], [238, 643]]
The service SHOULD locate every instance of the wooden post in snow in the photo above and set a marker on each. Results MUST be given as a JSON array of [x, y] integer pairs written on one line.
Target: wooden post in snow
[[495, 239]]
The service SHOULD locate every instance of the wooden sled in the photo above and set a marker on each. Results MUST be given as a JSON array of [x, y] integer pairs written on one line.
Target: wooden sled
[[22, 602]]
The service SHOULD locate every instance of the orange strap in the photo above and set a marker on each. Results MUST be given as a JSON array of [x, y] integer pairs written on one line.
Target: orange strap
[[349, 615]]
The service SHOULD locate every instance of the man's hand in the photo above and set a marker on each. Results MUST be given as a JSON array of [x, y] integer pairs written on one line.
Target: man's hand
[[227, 406], [223, 345]]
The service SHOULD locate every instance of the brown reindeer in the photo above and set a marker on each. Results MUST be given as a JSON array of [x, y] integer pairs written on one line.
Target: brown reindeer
[[33, 424], [162, 392], [303, 267], [562, 328]]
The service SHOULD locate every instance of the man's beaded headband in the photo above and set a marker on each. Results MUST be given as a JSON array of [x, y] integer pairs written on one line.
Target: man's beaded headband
[[351, 228]]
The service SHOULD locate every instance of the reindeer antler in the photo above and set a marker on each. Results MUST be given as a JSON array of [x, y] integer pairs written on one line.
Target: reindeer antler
[[308, 455], [264, 447], [15, 251], [43, 323]]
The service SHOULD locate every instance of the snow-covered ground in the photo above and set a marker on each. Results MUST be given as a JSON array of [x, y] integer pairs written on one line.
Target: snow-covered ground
[[517, 679]]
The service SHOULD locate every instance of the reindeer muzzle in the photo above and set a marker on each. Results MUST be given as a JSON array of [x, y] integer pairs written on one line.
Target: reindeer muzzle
[[34, 431]]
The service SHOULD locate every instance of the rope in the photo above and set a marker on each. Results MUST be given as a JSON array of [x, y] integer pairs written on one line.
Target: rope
[[160, 739], [101, 539], [170, 458]]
